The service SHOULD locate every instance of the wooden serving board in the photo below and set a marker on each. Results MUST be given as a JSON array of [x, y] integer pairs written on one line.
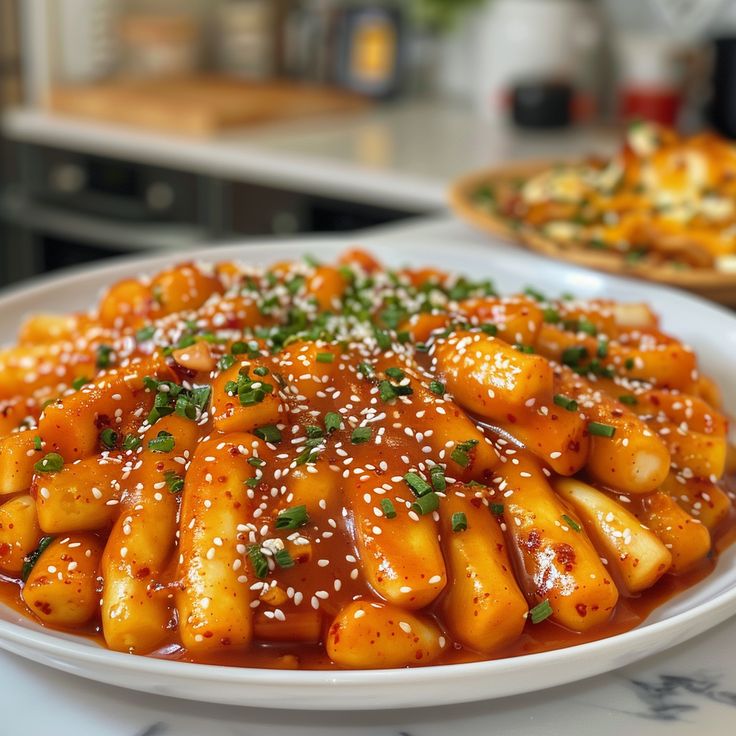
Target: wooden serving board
[[715, 285], [199, 105]]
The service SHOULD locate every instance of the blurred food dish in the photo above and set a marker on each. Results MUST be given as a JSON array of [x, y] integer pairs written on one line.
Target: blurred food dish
[[663, 208]]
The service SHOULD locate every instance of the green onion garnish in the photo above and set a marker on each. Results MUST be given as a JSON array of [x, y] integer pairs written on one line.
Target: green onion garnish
[[489, 329], [145, 333], [258, 561], [437, 478], [460, 453], [50, 463], [629, 364], [109, 438], [602, 347], [417, 484], [104, 356], [261, 370], [573, 356], [333, 421], [437, 388], [396, 373], [565, 402], [366, 370], [131, 442], [571, 523], [601, 430], [80, 381], [37, 443], [551, 315], [361, 435], [174, 482], [268, 433], [325, 357], [540, 612], [227, 361], [426, 504], [497, 509], [292, 518], [283, 559], [459, 522], [628, 399], [387, 506], [30, 560], [162, 442]]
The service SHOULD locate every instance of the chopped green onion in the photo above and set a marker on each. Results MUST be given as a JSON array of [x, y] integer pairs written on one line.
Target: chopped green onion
[[437, 478], [602, 348], [325, 357], [387, 506], [497, 509], [387, 391], [366, 370], [629, 364], [417, 484], [459, 522], [162, 442], [565, 402], [601, 430], [50, 463], [258, 561], [314, 432], [261, 370], [426, 504], [109, 438], [256, 462], [268, 433], [238, 348], [252, 482], [571, 523], [292, 518], [573, 356], [104, 356], [437, 388], [534, 294], [540, 612], [283, 559], [174, 482], [586, 326], [361, 435], [80, 381], [227, 361], [131, 442], [628, 399], [37, 443], [460, 453], [333, 421], [396, 373], [145, 333], [528, 349], [30, 560], [551, 315], [489, 329]]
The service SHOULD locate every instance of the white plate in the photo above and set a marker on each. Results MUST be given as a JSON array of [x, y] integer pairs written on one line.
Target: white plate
[[711, 330]]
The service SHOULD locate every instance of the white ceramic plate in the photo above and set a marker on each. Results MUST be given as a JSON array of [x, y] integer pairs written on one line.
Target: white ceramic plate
[[710, 329]]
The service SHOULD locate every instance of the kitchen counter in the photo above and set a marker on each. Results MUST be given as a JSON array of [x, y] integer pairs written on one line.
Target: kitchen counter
[[399, 156]]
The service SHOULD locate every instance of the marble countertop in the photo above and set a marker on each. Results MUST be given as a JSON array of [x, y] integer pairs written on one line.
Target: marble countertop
[[401, 156]]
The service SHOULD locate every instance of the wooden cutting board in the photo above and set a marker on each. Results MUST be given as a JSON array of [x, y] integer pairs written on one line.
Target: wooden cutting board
[[201, 105]]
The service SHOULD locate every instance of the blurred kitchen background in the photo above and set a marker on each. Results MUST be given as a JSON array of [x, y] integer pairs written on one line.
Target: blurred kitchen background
[[129, 125]]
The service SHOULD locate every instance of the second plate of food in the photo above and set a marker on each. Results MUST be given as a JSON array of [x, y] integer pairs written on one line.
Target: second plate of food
[[662, 209], [247, 581]]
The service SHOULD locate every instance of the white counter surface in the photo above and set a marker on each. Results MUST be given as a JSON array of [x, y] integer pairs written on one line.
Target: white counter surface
[[401, 156]]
